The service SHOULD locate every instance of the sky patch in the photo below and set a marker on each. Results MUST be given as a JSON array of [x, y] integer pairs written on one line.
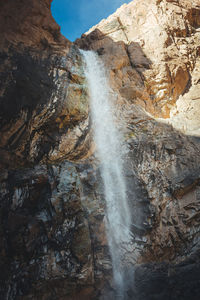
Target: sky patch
[[77, 16]]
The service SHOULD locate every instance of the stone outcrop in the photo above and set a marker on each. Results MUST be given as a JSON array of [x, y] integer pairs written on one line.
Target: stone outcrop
[[41, 124], [45, 238], [53, 243], [162, 45], [31, 26], [39, 70]]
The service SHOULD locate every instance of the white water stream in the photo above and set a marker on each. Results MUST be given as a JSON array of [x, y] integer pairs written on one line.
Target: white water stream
[[109, 152]]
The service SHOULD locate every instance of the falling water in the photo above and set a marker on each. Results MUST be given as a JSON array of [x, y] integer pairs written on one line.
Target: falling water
[[109, 151]]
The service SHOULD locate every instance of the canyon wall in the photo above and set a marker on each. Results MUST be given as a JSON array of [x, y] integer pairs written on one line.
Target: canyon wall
[[162, 44], [53, 243]]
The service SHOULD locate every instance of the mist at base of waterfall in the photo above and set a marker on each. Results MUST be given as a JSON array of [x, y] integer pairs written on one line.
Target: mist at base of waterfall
[[109, 152]]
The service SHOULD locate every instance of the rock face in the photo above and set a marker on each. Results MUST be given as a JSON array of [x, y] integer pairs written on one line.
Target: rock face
[[162, 45], [39, 70], [53, 243], [31, 26]]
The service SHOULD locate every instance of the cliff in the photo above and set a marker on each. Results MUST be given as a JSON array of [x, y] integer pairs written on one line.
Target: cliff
[[52, 239], [161, 43], [38, 69]]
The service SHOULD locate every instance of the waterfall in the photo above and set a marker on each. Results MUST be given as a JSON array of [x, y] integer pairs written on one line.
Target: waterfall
[[109, 152]]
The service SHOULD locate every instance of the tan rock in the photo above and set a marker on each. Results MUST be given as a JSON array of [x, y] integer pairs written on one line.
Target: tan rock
[[162, 41]]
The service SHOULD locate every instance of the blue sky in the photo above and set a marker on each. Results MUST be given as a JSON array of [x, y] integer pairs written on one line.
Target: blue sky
[[77, 16]]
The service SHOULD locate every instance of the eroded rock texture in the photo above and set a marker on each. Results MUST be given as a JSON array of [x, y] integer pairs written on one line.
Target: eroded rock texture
[[39, 70], [53, 243], [162, 45]]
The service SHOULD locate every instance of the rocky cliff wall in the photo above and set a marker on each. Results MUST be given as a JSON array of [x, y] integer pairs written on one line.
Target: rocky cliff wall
[[162, 45], [30, 25], [39, 70], [53, 241]]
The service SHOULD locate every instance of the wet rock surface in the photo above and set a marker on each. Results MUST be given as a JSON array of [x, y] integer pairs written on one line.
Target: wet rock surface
[[44, 233], [53, 243], [37, 123], [167, 282]]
